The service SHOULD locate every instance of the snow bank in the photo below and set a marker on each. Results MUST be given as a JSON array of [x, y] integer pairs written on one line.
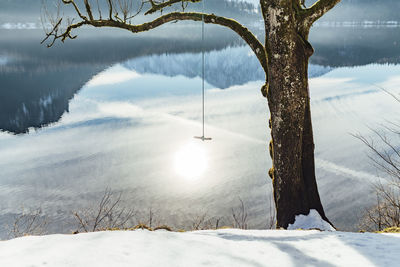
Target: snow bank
[[203, 248], [311, 221]]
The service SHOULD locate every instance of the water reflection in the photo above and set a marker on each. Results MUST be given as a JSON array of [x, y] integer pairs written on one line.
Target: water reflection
[[191, 160], [130, 117], [37, 83], [128, 143]]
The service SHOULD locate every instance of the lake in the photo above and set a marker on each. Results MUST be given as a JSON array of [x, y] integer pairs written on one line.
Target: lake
[[116, 110]]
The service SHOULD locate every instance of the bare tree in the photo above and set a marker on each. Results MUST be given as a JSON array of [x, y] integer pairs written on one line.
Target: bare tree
[[32, 222], [107, 214], [284, 58]]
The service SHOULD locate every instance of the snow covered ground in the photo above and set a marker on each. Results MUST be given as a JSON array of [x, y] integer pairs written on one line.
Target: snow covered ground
[[229, 247]]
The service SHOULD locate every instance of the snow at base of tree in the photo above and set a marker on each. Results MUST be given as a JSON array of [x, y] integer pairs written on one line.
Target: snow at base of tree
[[311, 221], [228, 247]]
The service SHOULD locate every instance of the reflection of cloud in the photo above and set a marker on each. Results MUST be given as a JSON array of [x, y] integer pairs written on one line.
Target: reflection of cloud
[[331, 81], [341, 170], [114, 75], [349, 95], [19, 26], [121, 109], [106, 121], [3, 60]]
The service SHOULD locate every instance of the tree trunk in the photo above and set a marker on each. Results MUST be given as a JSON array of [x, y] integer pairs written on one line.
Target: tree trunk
[[292, 144]]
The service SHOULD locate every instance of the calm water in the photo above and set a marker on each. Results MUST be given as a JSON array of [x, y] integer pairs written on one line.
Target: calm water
[[112, 110]]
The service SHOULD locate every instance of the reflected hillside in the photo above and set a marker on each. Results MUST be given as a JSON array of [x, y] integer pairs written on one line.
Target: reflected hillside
[[35, 99]]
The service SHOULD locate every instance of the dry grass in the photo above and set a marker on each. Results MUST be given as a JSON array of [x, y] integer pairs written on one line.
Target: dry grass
[[390, 230]]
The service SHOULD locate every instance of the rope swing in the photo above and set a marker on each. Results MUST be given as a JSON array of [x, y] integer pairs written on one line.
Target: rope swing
[[203, 138]]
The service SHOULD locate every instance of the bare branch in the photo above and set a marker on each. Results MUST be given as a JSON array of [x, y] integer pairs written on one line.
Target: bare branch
[[81, 222], [160, 6], [72, 2], [66, 34], [110, 9], [242, 31], [384, 160], [88, 9], [98, 9], [310, 15]]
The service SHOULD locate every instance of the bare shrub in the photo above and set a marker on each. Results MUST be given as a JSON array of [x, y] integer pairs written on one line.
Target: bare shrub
[[204, 222], [240, 216], [385, 212], [31, 222], [107, 214], [198, 222], [151, 218]]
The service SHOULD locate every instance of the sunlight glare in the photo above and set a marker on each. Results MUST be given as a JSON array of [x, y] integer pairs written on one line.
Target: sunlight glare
[[191, 161]]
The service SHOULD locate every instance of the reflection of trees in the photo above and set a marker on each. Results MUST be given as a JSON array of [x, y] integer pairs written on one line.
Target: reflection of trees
[[355, 46], [35, 99], [224, 68]]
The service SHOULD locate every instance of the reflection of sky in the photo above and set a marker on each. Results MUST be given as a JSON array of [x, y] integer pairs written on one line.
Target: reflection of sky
[[132, 85], [125, 134]]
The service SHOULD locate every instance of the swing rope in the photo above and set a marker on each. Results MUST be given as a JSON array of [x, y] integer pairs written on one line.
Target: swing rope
[[203, 138]]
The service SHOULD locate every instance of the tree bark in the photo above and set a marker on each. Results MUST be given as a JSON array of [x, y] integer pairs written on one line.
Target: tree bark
[[292, 144]]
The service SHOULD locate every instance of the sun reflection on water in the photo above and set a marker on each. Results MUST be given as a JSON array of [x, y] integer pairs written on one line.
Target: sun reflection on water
[[190, 161]]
